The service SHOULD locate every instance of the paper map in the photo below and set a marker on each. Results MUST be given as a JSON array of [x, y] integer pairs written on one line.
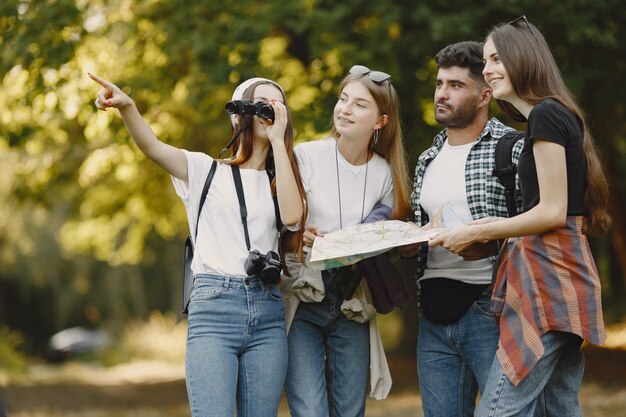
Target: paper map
[[351, 244]]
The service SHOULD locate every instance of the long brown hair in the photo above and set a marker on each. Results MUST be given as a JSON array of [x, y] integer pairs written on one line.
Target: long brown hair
[[535, 77], [242, 151], [389, 144]]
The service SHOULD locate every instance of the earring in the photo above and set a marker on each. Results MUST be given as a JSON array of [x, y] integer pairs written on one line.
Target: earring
[[376, 135]]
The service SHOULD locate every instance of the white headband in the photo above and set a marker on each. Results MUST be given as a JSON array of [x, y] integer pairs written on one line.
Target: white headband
[[241, 88], [238, 93]]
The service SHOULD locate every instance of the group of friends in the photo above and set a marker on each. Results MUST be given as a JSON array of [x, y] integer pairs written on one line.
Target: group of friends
[[505, 303]]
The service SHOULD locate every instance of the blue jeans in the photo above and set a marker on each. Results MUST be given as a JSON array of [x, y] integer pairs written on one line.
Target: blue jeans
[[550, 389], [328, 360], [453, 361], [236, 347]]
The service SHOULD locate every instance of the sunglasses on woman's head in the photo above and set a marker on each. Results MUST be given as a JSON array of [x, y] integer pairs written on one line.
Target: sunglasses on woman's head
[[377, 76], [523, 18]]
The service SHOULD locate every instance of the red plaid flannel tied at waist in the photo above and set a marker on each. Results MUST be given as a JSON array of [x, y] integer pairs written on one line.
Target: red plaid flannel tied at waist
[[545, 282]]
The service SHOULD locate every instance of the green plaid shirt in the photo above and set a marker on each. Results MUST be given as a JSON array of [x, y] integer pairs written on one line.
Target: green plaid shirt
[[485, 195]]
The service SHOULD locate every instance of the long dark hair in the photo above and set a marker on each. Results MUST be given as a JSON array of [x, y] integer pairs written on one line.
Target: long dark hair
[[389, 144], [242, 151], [535, 77]]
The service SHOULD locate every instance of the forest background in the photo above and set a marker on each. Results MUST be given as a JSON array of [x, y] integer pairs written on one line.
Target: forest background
[[91, 232]]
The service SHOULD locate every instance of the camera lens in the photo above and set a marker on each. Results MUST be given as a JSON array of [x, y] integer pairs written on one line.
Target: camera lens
[[270, 275]]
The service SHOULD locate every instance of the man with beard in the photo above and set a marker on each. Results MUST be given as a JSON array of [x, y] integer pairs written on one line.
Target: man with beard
[[458, 336]]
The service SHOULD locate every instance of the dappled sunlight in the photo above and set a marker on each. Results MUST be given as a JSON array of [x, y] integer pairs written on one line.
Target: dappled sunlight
[[152, 54], [98, 131], [162, 338], [101, 162], [164, 124], [273, 54], [271, 49], [616, 336], [309, 132], [97, 164], [427, 108], [13, 87], [97, 56], [95, 22], [117, 239], [136, 372], [391, 327], [71, 105], [126, 172], [394, 31]]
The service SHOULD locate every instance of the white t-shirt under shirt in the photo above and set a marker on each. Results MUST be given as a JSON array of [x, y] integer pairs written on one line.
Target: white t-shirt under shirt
[[444, 181], [221, 247], [319, 162]]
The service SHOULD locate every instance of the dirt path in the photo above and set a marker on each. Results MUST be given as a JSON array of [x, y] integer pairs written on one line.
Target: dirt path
[[154, 390], [169, 400]]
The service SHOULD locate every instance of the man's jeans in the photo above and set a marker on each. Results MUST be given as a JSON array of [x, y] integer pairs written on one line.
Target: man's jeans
[[328, 360], [236, 347], [550, 389], [453, 361]]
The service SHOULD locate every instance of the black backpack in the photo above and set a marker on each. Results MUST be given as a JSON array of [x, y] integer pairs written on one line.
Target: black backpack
[[505, 170]]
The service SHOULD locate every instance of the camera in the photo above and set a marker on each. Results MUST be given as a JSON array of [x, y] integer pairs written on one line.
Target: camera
[[266, 267], [243, 107]]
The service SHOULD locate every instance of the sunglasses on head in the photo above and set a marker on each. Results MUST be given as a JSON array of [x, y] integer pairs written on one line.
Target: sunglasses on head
[[523, 18], [376, 76]]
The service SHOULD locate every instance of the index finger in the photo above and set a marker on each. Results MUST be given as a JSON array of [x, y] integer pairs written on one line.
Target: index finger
[[278, 105], [101, 81]]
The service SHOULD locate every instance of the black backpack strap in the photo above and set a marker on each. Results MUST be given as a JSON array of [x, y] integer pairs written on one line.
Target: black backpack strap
[[505, 170], [189, 243], [205, 191]]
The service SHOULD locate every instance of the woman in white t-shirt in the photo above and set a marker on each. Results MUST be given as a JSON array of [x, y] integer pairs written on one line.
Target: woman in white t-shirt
[[236, 342], [356, 173]]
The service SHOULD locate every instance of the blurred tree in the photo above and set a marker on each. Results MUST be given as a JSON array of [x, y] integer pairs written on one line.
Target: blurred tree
[[91, 232]]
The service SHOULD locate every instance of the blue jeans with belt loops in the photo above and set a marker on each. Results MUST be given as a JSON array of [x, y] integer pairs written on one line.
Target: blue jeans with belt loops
[[454, 360], [328, 360], [236, 347]]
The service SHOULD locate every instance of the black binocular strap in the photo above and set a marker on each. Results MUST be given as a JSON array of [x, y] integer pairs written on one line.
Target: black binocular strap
[[242, 204], [232, 140]]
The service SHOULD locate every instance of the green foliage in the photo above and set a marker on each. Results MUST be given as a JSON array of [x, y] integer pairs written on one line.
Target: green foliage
[[38, 33], [11, 359], [91, 232]]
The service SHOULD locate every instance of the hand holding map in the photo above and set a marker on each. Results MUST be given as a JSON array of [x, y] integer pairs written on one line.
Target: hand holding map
[[351, 244]]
